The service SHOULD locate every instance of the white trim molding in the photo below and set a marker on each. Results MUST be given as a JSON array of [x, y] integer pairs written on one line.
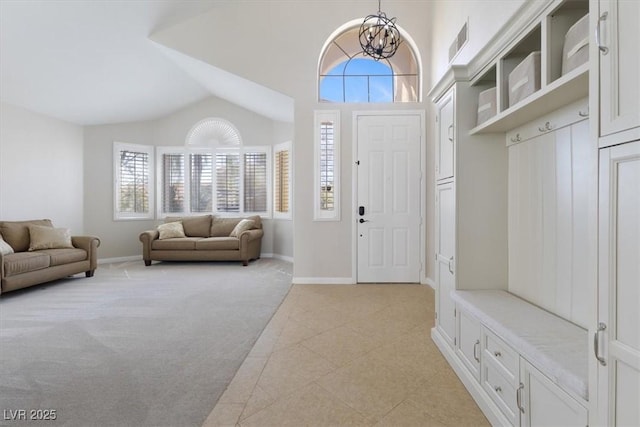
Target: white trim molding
[[323, 281]]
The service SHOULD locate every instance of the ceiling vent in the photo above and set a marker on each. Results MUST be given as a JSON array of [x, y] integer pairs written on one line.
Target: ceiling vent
[[459, 41]]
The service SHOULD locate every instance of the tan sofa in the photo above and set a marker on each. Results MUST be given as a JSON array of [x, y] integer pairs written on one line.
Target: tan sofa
[[24, 268], [207, 238]]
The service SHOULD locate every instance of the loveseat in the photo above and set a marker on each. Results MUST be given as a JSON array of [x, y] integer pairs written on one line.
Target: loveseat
[[204, 238], [34, 252]]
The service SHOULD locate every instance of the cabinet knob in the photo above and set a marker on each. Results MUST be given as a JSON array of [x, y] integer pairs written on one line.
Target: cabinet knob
[[498, 389], [497, 354]]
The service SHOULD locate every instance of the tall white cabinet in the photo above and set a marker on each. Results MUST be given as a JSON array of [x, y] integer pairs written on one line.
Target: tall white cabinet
[[617, 338], [615, 365], [471, 208]]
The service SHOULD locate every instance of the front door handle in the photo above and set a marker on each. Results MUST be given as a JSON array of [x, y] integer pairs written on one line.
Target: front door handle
[[362, 220]]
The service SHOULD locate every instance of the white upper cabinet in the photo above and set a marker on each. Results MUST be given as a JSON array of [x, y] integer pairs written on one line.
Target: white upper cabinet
[[446, 137], [618, 37]]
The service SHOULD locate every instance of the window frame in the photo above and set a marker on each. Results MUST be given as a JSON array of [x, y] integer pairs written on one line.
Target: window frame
[[284, 146], [320, 214], [186, 151], [118, 148]]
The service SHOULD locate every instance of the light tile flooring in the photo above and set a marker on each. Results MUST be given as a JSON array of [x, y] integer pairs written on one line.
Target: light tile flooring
[[348, 355]]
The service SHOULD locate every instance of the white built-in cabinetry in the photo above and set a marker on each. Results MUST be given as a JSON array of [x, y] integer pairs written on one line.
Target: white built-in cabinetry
[[615, 366], [616, 24], [471, 218], [572, 245]]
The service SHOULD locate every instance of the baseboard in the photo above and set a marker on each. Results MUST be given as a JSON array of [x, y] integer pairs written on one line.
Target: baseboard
[[430, 282], [323, 281], [119, 259], [487, 406], [278, 256]]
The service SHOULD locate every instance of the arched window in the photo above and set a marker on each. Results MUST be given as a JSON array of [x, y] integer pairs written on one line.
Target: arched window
[[214, 173], [345, 74]]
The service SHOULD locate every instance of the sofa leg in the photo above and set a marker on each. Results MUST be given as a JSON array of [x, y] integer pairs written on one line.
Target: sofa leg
[[89, 273], [245, 262], [147, 262]]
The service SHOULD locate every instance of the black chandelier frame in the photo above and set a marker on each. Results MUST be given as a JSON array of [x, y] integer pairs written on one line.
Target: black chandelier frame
[[379, 36]]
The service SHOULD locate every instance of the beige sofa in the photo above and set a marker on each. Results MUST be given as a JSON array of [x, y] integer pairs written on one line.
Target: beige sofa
[[25, 267], [206, 238]]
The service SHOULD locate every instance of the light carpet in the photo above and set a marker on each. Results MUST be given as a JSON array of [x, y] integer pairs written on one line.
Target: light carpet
[[134, 345]]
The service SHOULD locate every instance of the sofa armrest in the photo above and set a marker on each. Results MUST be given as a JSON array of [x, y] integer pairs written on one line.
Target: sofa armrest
[[147, 237], [250, 235], [90, 244]]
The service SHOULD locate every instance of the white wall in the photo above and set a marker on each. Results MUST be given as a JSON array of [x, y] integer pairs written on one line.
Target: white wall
[[120, 238], [446, 18], [41, 168]]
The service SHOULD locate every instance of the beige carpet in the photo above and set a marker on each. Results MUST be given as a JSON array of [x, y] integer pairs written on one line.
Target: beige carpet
[[134, 345]]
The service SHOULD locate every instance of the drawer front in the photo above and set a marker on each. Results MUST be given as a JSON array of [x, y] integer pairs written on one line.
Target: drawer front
[[501, 354], [502, 392]]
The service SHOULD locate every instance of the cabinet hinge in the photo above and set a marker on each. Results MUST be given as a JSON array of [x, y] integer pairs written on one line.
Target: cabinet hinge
[[455, 313], [357, 162], [436, 314], [455, 342]]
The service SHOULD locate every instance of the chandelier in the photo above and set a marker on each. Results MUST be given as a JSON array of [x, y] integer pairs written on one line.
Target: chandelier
[[379, 36]]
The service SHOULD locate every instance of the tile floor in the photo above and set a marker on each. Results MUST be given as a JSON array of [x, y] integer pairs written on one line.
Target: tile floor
[[348, 355]]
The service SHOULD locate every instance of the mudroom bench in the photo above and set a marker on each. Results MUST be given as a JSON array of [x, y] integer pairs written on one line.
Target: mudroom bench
[[522, 364]]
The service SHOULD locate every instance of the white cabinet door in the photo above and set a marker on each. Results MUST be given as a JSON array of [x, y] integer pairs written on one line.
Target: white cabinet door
[[618, 340], [543, 403], [619, 65], [468, 342], [445, 249], [445, 142]]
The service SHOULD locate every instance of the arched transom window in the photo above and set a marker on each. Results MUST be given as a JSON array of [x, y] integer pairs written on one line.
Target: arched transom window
[[345, 74]]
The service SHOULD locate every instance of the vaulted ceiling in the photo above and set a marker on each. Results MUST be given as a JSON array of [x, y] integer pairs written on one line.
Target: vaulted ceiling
[[92, 62]]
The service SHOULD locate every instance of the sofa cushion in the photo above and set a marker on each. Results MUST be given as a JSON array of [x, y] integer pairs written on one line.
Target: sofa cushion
[[64, 256], [178, 244], [171, 230], [194, 226], [5, 248], [257, 221], [241, 227], [222, 227], [43, 237], [218, 243], [23, 262], [16, 233]]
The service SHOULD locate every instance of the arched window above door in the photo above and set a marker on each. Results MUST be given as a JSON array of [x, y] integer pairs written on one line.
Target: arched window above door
[[345, 74]]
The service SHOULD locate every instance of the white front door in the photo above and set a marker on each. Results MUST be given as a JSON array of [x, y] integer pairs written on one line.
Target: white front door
[[388, 201]]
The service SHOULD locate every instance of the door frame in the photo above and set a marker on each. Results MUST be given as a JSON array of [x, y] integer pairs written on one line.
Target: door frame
[[354, 186]]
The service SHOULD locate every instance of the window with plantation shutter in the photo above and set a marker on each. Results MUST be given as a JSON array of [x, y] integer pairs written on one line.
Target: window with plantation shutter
[[327, 165], [228, 182], [201, 182], [173, 184], [282, 181], [255, 182], [214, 173], [133, 196]]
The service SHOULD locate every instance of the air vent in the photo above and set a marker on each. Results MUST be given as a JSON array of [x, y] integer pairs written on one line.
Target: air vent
[[458, 42]]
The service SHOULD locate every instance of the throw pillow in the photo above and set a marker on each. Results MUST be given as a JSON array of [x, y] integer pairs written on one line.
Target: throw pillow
[[171, 230], [243, 225], [5, 248], [43, 237]]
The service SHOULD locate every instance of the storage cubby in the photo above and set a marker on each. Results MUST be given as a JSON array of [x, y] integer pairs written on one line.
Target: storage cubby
[[546, 34], [484, 83], [529, 44], [558, 23]]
